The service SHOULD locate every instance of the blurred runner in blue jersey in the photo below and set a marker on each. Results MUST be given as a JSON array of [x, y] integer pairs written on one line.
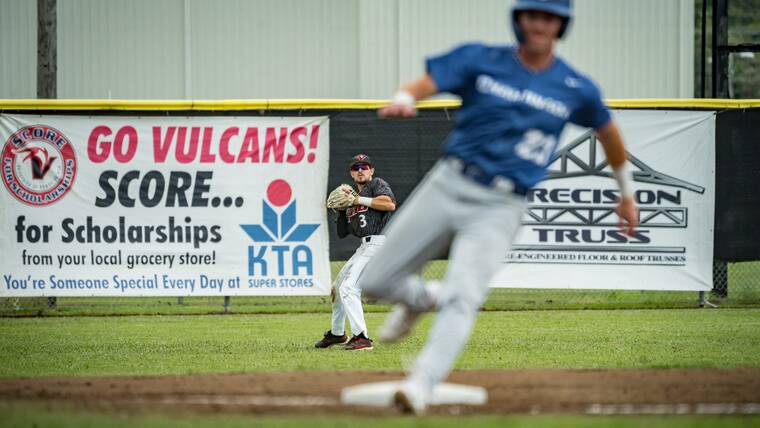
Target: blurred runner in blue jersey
[[515, 102]]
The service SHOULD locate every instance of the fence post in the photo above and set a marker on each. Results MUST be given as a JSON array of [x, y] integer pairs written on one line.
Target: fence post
[[720, 278], [704, 302], [226, 304], [47, 49]]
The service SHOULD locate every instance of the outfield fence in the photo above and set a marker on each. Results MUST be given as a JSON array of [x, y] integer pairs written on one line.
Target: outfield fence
[[404, 152]]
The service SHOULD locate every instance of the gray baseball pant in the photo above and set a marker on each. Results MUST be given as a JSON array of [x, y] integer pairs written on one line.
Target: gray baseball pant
[[478, 223]]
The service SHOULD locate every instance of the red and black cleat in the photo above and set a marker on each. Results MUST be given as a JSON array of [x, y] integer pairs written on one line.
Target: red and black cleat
[[330, 340], [359, 343]]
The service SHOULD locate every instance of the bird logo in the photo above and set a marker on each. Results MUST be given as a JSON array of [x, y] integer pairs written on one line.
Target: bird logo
[[40, 159]]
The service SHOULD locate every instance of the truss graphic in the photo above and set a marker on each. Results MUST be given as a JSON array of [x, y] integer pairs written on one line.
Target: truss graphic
[[552, 215], [559, 166]]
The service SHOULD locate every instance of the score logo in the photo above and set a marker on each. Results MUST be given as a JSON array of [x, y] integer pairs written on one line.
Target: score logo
[[38, 165]]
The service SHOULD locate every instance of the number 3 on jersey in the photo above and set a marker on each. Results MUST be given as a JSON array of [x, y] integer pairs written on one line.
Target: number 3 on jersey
[[536, 147], [362, 221]]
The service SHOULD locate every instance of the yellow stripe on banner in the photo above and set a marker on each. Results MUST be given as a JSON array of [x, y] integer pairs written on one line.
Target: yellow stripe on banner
[[137, 105], [685, 103], [231, 105], [208, 105]]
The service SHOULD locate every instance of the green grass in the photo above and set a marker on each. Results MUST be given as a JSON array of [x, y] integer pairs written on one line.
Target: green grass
[[139, 345], [35, 415], [518, 329], [255, 343]]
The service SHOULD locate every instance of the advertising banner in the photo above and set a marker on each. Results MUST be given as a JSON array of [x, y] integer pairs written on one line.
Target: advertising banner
[[173, 206], [570, 236]]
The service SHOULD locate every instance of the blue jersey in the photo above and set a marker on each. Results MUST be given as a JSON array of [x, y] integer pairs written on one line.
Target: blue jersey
[[512, 117]]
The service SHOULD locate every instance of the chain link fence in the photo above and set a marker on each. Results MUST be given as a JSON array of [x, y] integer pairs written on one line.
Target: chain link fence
[[736, 285]]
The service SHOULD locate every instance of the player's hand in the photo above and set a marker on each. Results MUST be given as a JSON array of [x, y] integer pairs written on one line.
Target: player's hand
[[629, 215], [397, 110], [344, 196]]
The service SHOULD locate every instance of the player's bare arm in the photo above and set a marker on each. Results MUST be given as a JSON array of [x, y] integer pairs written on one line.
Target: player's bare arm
[[614, 149], [382, 203], [404, 99]]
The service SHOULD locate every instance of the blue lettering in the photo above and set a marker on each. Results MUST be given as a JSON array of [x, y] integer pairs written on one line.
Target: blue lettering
[[257, 259], [280, 250], [305, 261]]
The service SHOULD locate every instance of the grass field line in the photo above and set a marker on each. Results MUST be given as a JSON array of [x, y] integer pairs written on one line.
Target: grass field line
[[675, 409], [240, 400], [591, 409]]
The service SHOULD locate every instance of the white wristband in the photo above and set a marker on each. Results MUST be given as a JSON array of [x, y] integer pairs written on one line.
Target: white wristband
[[624, 178], [403, 98], [364, 200]]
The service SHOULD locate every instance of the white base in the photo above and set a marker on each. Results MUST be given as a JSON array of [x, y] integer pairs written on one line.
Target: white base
[[380, 394]]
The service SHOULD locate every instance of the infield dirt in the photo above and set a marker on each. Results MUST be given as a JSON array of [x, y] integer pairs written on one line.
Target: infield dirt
[[535, 391]]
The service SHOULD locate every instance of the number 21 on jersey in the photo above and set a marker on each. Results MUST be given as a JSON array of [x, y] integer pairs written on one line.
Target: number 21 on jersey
[[536, 147]]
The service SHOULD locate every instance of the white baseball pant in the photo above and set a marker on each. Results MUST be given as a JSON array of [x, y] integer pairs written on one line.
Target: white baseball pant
[[348, 301]]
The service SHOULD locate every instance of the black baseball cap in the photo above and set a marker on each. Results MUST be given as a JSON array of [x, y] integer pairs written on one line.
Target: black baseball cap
[[361, 158]]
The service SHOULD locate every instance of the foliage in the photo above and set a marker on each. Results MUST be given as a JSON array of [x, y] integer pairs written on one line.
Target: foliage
[[744, 68]]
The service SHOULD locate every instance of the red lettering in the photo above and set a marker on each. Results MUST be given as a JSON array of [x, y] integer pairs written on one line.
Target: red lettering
[[97, 151], [121, 154], [313, 140], [281, 144], [224, 144], [250, 147], [161, 149], [98, 148], [275, 145], [296, 140], [187, 156], [206, 155], [183, 155]]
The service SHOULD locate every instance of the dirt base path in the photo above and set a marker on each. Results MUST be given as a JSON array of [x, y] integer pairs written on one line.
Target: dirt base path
[[665, 391]]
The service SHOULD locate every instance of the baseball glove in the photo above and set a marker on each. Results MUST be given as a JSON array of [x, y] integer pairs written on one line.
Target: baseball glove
[[342, 197]]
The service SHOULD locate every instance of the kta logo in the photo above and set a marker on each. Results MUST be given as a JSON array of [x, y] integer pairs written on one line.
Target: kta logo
[[38, 165], [282, 232]]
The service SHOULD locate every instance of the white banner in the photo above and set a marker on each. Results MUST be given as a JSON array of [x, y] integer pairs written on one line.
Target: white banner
[[570, 238], [172, 206]]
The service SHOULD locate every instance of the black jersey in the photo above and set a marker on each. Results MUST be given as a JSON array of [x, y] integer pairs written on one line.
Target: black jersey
[[365, 221]]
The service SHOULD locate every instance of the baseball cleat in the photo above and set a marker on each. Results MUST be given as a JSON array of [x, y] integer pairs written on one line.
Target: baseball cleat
[[409, 399], [402, 318], [330, 340], [359, 343], [398, 324]]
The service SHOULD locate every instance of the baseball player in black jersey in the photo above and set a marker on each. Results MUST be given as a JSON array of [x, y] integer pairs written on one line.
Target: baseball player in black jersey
[[366, 219]]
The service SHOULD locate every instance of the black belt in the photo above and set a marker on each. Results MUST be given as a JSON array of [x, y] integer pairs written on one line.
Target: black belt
[[477, 174]]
